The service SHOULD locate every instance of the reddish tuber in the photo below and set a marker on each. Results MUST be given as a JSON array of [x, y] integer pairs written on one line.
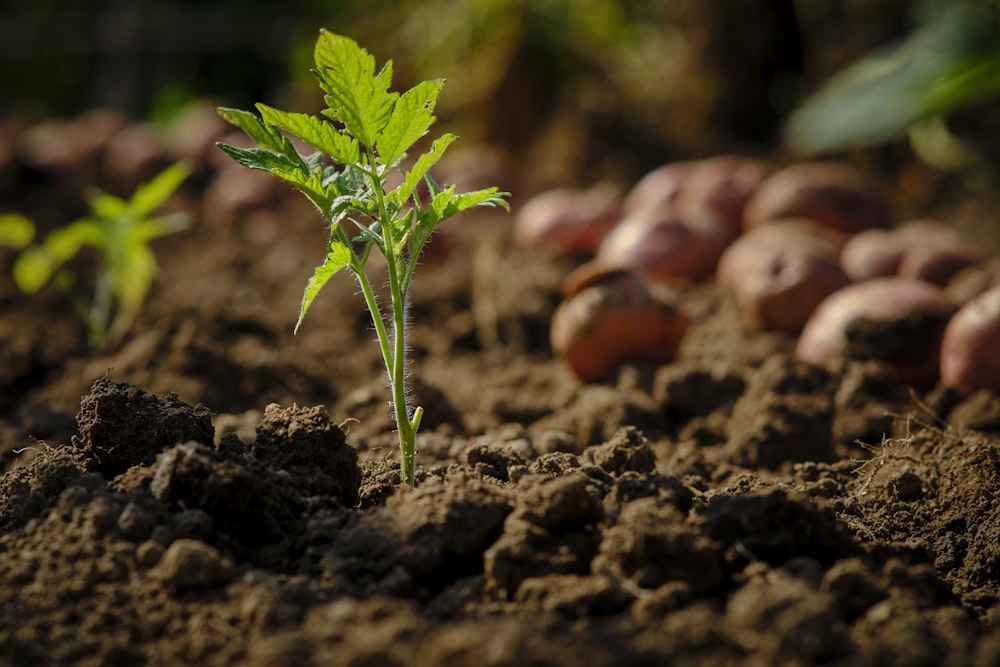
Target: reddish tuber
[[661, 185], [831, 193], [970, 348], [723, 184], [610, 317], [780, 271], [665, 243], [923, 249], [568, 222], [894, 320]]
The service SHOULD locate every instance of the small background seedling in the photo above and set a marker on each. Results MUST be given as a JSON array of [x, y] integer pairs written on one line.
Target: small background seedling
[[347, 178], [120, 231]]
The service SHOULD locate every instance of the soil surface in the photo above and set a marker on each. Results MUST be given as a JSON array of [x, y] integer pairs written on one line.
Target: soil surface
[[213, 490]]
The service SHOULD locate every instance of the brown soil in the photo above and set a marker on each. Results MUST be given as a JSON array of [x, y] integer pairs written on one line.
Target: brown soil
[[717, 510]]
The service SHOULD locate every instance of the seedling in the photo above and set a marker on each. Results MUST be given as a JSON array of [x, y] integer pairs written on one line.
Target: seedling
[[121, 232], [365, 137]]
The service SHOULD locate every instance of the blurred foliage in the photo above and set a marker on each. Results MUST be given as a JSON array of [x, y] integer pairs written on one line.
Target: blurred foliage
[[949, 62], [577, 89], [591, 77]]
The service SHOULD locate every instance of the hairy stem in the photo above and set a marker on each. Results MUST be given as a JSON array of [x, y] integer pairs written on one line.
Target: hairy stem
[[396, 360]]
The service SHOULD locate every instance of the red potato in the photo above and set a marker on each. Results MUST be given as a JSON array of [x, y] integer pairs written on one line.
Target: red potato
[[667, 244], [872, 253], [779, 272], [568, 222], [970, 348], [894, 320], [923, 249], [610, 318], [724, 185], [831, 193], [663, 184]]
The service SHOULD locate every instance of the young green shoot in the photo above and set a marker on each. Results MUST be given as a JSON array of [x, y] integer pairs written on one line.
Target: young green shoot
[[365, 136], [120, 231]]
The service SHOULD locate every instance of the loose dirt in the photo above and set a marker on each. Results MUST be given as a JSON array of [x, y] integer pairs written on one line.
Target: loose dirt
[[215, 491]]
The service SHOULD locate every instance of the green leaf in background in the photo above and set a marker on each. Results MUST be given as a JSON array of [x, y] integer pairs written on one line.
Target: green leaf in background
[[152, 195], [952, 60], [132, 276], [108, 207], [16, 230], [32, 269]]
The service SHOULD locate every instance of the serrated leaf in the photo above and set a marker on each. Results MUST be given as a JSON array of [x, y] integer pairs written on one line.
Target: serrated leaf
[[411, 179], [152, 195], [447, 203], [319, 134], [254, 128], [338, 257], [259, 158], [357, 97], [310, 185], [16, 230], [412, 116]]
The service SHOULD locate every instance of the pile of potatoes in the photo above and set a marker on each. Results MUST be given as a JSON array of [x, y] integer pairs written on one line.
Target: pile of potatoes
[[810, 249]]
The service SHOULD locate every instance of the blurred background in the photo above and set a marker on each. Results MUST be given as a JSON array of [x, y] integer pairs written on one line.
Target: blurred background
[[580, 90]]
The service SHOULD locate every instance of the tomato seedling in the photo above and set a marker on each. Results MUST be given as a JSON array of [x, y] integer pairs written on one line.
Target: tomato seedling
[[366, 135], [121, 232]]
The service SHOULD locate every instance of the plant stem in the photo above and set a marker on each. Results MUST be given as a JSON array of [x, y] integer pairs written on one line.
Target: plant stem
[[395, 360], [100, 311]]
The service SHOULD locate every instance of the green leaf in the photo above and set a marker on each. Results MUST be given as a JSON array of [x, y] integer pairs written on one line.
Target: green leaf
[[262, 135], [63, 244], [32, 269], [131, 276], [108, 207], [311, 185], [150, 229], [356, 96], [152, 195], [319, 134], [950, 61], [411, 179], [412, 116], [16, 230], [337, 258], [447, 203], [259, 158]]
